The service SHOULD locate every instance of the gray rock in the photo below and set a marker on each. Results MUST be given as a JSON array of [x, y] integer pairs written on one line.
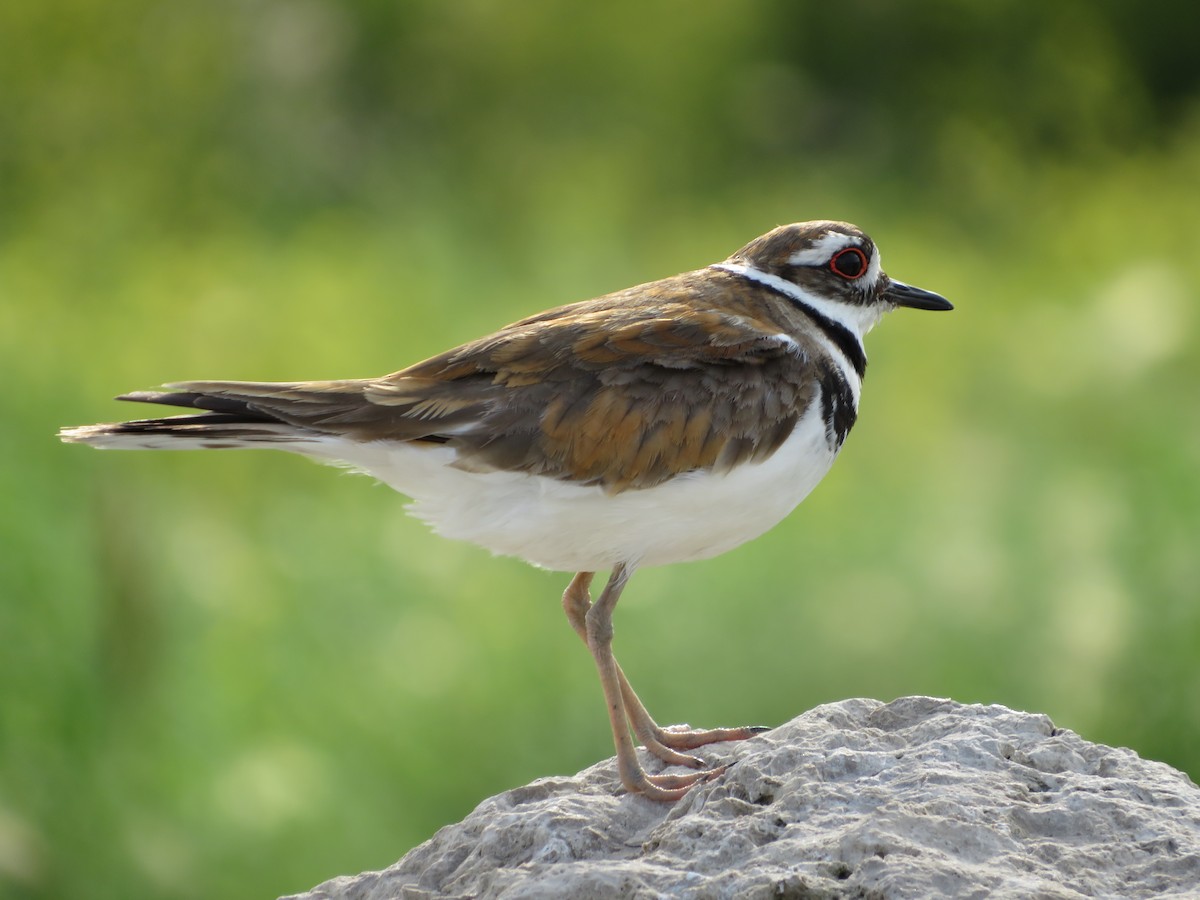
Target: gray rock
[[916, 798]]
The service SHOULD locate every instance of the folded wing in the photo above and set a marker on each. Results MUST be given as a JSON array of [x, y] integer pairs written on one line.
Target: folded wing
[[609, 392]]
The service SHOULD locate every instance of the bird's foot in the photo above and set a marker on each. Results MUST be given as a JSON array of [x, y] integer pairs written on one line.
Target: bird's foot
[[667, 788], [665, 743], [681, 737]]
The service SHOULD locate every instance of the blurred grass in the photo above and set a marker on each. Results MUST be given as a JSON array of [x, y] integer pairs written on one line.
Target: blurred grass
[[240, 674]]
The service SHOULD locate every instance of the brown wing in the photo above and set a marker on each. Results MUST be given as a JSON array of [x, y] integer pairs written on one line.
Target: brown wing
[[625, 391]]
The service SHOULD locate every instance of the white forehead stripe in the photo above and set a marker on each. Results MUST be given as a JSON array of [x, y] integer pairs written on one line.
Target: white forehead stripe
[[823, 249]]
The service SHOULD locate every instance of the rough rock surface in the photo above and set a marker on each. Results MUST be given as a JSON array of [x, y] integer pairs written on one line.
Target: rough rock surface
[[916, 798]]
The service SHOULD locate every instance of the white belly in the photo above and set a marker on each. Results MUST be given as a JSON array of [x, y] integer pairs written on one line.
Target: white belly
[[569, 528]]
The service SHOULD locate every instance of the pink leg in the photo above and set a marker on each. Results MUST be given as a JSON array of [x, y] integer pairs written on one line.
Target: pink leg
[[593, 623]]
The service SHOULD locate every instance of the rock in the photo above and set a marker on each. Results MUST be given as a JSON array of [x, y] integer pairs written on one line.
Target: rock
[[915, 798]]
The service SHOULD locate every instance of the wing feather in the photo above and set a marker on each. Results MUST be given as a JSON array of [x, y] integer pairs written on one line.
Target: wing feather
[[624, 391]]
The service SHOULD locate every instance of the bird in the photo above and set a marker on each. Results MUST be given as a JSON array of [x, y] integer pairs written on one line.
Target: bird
[[667, 422]]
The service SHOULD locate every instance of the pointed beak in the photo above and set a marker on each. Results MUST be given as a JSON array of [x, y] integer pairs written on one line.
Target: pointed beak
[[913, 297]]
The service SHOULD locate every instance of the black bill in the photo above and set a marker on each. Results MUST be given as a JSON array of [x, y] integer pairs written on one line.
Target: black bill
[[913, 297]]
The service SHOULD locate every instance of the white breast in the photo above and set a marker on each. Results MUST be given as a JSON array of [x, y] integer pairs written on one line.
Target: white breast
[[572, 528]]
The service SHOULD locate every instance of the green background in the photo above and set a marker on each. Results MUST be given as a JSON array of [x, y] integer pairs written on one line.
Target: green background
[[236, 675]]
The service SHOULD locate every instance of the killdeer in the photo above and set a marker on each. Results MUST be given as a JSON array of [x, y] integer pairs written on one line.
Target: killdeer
[[667, 422]]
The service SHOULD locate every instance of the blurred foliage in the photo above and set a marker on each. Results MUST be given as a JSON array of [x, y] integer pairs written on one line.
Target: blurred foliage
[[237, 675]]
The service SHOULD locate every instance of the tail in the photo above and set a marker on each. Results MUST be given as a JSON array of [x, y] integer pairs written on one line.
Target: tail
[[236, 415]]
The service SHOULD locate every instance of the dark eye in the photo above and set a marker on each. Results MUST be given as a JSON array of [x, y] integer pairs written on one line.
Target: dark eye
[[849, 263]]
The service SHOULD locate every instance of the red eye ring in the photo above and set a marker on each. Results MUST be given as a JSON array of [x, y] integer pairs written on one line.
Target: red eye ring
[[849, 263]]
